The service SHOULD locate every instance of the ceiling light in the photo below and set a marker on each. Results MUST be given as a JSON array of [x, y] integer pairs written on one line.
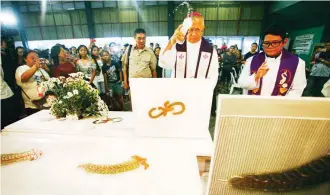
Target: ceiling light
[[8, 18]]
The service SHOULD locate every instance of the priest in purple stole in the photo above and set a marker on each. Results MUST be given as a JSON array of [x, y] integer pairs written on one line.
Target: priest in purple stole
[[274, 72], [194, 56]]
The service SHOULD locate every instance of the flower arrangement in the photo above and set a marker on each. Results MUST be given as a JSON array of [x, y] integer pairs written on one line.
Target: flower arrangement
[[74, 98]]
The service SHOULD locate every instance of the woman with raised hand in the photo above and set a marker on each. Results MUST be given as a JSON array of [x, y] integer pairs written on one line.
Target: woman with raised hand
[[29, 78]]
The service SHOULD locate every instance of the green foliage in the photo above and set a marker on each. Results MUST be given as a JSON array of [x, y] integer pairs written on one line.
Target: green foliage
[[74, 96]]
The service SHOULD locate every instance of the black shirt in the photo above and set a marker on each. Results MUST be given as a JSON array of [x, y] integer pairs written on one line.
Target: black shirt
[[248, 55], [229, 60], [325, 55], [9, 66], [113, 71]]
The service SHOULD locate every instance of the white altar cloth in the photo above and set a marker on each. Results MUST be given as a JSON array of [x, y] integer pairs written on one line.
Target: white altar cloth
[[43, 123], [172, 171]]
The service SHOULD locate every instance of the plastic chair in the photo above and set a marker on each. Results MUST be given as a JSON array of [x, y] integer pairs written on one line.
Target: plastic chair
[[233, 83]]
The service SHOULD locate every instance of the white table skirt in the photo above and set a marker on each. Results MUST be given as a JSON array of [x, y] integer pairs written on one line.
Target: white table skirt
[[173, 170], [44, 123]]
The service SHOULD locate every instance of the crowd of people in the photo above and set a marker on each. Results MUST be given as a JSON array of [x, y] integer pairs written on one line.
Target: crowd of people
[[274, 71], [22, 71]]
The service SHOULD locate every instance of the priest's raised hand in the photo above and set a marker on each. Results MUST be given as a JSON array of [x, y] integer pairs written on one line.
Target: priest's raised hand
[[177, 36], [262, 71]]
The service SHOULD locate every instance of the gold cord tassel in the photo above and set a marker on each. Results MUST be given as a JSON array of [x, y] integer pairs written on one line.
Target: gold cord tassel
[[30, 155], [132, 164]]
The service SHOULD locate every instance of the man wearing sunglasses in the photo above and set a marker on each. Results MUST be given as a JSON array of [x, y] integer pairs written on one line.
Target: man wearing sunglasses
[[274, 72], [195, 58]]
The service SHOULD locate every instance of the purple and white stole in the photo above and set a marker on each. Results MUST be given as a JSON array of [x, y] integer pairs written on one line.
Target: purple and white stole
[[203, 62], [285, 75]]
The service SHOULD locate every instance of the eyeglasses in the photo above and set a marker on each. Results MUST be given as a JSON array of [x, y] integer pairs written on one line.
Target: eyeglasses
[[196, 30], [274, 44]]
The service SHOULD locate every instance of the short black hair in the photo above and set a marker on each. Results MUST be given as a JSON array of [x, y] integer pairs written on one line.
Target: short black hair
[[254, 44], [139, 31], [26, 53], [276, 30]]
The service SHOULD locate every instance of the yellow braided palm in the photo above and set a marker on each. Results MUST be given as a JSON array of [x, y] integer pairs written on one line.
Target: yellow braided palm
[[7, 159], [132, 164]]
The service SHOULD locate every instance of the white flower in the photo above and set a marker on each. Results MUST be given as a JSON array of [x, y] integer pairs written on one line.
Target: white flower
[[54, 80], [72, 74], [76, 92], [65, 97], [80, 74], [69, 94], [60, 102], [69, 79], [51, 85]]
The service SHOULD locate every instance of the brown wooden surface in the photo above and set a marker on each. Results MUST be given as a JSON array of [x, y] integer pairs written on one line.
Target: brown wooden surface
[[203, 164]]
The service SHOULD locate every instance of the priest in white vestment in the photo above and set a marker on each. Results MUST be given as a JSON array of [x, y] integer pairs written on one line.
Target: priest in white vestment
[[195, 57], [274, 72]]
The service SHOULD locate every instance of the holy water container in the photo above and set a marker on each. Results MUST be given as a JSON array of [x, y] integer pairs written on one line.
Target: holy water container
[[187, 23]]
